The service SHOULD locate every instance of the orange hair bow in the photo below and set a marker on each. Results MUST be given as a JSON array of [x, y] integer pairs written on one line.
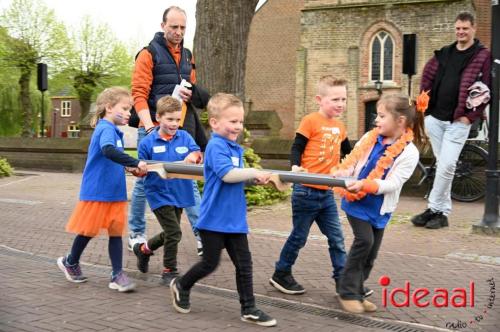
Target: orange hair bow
[[423, 101]]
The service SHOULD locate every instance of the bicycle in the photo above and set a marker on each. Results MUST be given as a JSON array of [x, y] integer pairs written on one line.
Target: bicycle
[[469, 181]]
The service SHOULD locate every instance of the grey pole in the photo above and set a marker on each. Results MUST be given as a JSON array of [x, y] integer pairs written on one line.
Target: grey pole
[[490, 223], [285, 176]]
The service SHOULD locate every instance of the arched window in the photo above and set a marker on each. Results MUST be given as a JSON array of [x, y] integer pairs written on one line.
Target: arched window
[[382, 57]]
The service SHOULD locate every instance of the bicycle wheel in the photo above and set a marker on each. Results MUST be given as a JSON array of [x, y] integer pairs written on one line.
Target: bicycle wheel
[[469, 182]]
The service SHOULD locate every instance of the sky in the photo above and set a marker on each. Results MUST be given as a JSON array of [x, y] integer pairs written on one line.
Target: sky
[[133, 22]]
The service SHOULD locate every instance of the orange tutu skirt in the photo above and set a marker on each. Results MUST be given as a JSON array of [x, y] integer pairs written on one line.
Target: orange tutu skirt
[[90, 218]]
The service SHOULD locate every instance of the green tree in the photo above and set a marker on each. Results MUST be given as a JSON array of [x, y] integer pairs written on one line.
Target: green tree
[[34, 36], [10, 118], [98, 59]]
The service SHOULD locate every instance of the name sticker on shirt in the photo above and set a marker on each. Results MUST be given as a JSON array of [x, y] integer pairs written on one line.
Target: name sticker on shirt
[[159, 149], [181, 149], [119, 143], [236, 161]]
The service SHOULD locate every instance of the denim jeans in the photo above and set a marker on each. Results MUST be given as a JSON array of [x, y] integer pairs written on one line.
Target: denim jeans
[[193, 212], [309, 205], [137, 211], [236, 245], [137, 219], [362, 255], [447, 140]]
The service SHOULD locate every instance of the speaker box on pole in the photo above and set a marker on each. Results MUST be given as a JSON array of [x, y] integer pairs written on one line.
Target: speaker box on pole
[[42, 77], [409, 54]]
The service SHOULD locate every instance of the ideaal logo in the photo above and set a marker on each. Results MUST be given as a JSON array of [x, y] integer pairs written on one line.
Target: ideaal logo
[[423, 297], [439, 298]]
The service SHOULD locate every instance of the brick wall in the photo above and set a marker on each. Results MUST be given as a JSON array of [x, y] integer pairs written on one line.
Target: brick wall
[[290, 49], [483, 21], [272, 51]]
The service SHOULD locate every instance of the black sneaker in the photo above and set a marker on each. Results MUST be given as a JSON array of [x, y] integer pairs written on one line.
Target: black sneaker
[[420, 220], [367, 292], [256, 316], [167, 275], [142, 258], [285, 283], [437, 221], [180, 297]]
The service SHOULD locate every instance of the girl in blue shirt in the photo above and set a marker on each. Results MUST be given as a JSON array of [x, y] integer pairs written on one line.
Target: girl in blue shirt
[[382, 161], [103, 195]]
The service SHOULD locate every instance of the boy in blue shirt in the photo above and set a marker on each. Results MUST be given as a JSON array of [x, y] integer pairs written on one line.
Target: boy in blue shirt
[[168, 197], [222, 223]]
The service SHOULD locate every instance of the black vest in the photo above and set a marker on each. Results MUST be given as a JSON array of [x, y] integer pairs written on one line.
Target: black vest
[[166, 74]]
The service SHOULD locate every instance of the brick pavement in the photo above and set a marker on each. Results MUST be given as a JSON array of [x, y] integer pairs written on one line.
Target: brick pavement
[[35, 210]]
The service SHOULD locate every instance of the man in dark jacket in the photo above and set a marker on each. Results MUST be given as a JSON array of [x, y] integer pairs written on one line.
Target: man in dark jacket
[[158, 69], [448, 75]]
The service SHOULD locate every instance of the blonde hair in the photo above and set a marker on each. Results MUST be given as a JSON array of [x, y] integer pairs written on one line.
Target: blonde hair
[[109, 97], [329, 81], [221, 101], [167, 104], [399, 104]]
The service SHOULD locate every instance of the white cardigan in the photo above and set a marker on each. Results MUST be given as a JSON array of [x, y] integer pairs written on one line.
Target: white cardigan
[[398, 174]]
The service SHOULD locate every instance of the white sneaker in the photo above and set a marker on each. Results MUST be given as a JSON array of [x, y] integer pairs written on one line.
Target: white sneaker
[[134, 238]]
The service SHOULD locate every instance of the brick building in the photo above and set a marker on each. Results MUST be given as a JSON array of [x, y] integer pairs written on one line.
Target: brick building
[[293, 43], [65, 116]]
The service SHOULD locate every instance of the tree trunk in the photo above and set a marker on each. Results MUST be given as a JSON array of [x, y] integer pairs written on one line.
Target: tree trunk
[[220, 44], [85, 85], [84, 96], [25, 102]]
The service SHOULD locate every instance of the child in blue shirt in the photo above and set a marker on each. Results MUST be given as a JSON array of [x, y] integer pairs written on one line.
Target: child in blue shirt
[[222, 223], [168, 197], [103, 193]]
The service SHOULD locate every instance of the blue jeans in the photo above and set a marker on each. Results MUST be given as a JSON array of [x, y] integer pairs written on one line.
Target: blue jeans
[[137, 211], [309, 205], [137, 219], [447, 140], [193, 212]]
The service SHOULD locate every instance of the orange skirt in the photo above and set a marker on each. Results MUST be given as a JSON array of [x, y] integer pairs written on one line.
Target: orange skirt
[[90, 218]]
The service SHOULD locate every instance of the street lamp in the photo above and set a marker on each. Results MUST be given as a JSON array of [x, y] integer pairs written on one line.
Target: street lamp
[[378, 86]]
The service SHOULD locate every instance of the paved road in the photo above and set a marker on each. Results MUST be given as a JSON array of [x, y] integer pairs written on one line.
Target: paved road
[[35, 296]]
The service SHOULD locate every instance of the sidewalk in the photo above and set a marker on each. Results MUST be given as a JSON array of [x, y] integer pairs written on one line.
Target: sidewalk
[[34, 209]]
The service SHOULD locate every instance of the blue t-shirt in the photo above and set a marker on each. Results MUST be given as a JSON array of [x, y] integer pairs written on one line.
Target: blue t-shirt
[[172, 192], [103, 179], [223, 206], [368, 208]]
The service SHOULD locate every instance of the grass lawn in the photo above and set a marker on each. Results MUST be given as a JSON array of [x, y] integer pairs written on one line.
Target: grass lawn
[[132, 153]]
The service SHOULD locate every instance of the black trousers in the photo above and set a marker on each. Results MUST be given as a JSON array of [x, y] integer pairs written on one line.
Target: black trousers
[[364, 250], [237, 248]]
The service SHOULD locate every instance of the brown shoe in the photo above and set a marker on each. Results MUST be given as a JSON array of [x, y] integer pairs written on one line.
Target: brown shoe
[[353, 306], [368, 306]]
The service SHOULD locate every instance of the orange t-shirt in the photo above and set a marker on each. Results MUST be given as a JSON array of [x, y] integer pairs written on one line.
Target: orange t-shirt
[[322, 150]]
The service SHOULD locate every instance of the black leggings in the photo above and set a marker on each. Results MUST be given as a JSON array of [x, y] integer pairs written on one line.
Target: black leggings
[[364, 250], [236, 245]]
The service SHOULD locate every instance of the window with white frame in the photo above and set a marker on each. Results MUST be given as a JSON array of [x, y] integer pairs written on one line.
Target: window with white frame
[[382, 57], [66, 108]]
